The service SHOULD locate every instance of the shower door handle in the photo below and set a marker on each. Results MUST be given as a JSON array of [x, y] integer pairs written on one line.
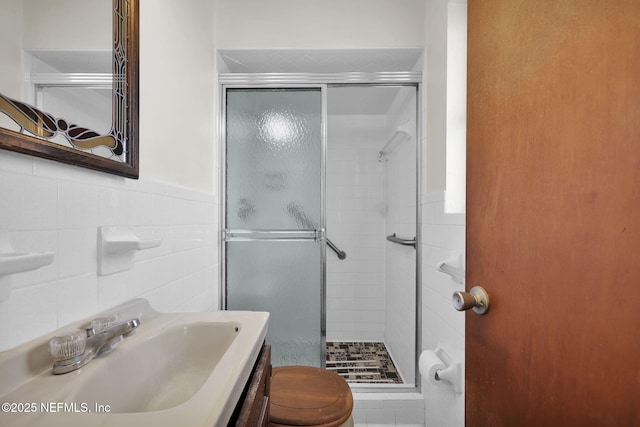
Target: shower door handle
[[252, 235], [341, 254]]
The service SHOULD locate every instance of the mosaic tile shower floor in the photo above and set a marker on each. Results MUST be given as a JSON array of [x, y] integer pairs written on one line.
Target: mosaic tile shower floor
[[362, 362]]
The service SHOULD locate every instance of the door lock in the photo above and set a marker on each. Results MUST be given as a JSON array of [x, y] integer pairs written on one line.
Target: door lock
[[476, 299]]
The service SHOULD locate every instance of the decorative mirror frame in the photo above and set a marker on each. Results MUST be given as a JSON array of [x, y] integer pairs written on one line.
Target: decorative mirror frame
[[26, 144]]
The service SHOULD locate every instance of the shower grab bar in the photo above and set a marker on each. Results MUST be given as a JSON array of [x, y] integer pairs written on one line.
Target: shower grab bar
[[405, 242], [334, 248]]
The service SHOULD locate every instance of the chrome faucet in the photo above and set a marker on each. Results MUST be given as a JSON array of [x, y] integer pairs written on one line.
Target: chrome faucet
[[73, 352]]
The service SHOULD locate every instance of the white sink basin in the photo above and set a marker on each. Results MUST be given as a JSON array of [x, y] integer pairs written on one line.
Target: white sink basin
[[177, 369], [159, 372]]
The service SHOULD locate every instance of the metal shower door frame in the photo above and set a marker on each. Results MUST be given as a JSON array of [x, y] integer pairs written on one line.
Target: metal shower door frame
[[399, 80], [223, 194], [306, 80]]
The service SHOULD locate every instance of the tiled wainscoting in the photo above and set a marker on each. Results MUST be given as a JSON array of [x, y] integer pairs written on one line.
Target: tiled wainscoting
[[48, 206], [388, 409], [443, 235]]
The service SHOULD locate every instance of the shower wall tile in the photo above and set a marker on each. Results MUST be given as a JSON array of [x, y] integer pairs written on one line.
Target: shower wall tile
[[355, 286], [372, 292], [48, 206], [401, 218]]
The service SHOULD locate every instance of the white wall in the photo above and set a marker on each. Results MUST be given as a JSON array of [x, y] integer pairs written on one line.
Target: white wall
[[436, 94], [177, 104], [319, 24], [456, 174], [11, 48], [67, 25]]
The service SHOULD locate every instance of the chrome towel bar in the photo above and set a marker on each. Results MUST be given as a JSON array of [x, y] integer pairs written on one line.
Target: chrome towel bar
[[405, 242]]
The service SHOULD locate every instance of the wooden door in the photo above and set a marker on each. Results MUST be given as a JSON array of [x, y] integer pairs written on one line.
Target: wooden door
[[553, 212]]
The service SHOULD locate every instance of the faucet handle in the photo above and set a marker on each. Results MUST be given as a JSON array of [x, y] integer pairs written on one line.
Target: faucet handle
[[103, 322], [69, 345]]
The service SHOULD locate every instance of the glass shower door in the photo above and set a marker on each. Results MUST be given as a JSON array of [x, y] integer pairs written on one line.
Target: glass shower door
[[273, 215]]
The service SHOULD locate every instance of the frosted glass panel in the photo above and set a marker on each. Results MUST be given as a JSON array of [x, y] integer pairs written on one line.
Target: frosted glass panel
[[273, 158], [282, 278], [273, 191]]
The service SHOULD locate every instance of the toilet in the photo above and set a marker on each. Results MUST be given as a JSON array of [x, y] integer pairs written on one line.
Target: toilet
[[306, 396]]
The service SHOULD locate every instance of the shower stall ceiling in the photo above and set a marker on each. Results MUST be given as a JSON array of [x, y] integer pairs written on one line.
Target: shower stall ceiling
[[371, 294]]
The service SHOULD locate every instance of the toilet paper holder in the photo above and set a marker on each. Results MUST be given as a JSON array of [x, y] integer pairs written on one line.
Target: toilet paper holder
[[452, 373]]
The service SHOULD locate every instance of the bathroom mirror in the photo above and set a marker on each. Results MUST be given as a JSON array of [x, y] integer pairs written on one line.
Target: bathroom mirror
[[26, 129]]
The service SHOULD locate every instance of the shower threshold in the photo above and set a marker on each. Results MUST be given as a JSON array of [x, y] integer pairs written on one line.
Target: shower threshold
[[362, 362]]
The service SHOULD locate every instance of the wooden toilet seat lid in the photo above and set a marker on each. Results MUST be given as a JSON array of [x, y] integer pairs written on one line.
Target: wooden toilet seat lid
[[302, 395]]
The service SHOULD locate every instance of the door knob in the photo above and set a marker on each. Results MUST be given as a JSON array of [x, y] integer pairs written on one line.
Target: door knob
[[477, 299]]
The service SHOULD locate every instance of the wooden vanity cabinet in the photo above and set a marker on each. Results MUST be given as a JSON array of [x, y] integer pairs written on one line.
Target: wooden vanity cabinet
[[252, 409]]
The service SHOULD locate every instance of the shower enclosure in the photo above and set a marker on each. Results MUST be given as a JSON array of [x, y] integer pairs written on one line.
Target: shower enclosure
[[313, 172], [371, 194]]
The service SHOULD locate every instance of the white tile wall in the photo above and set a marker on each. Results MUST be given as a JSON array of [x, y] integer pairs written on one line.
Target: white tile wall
[[400, 197], [443, 236], [388, 409], [355, 223], [48, 206]]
